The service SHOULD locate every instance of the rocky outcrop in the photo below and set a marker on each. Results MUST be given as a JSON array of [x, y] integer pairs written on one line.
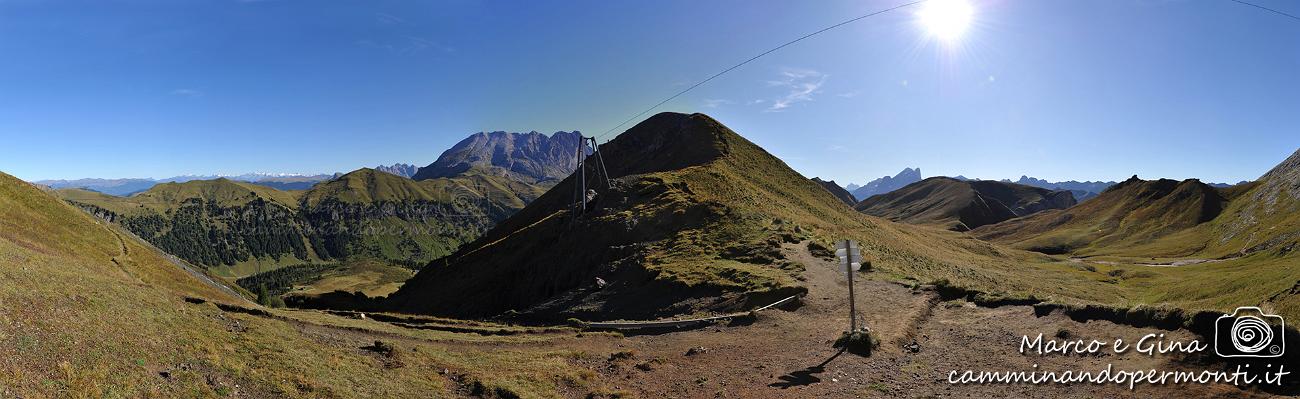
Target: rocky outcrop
[[528, 156], [400, 169]]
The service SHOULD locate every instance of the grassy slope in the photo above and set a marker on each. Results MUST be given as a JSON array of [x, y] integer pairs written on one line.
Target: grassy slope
[[225, 192], [368, 185], [88, 315], [1132, 213], [1164, 219], [1256, 233], [961, 205], [836, 190], [689, 199], [164, 199], [370, 277], [690, 195], [455, 210], [468, 204], [168, 196]]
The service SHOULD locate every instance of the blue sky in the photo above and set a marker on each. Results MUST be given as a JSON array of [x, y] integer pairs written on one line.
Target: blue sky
[[1054, 89]]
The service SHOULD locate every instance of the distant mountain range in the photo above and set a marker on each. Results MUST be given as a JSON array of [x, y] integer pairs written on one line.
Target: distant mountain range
[[106, 186], [963, 205], [528, 156], [885, 184], [128, 186], [1092, 187]]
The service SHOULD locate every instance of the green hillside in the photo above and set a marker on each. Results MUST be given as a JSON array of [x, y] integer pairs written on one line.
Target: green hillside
[[367, 185], [1160, 245], [693, 222], [1227, 247], [383, 216], [962, 205], [89, 312], [232, 227], [1130, 215], [237, 229], [1262, 217]]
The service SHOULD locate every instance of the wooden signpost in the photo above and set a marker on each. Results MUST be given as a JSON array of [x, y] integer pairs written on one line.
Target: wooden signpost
[[850, 257]]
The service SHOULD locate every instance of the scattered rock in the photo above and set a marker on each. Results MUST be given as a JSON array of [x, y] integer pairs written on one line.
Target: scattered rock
[[381, 347], [696, 350], [628, 354], [912, 347], [648, 365]]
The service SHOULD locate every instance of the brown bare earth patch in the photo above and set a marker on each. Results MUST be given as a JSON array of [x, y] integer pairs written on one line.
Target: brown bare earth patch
[[789, 354]]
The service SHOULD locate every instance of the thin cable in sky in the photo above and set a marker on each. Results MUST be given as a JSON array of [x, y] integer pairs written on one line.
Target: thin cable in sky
[[742, 63], [1292, 16], [846, 22]]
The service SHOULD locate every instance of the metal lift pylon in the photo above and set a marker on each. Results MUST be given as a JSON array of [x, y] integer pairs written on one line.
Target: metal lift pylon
[[587, 145]]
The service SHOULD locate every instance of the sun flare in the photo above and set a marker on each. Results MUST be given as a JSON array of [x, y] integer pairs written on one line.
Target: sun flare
[[946, 19]]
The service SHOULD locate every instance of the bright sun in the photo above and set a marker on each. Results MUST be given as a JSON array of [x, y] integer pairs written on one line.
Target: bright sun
[[946, 19]]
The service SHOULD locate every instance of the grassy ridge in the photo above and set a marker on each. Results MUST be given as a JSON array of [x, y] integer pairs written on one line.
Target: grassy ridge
[[697, 206], [86, 314], [1163, 219], [236, 229], [694, 218], [962, 205], [1132, 213]]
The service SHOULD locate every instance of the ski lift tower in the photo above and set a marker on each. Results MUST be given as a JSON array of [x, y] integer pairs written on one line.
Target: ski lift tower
[[587, 148]]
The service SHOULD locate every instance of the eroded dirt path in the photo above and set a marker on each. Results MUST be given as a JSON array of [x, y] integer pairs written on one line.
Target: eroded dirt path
[[790, 354]]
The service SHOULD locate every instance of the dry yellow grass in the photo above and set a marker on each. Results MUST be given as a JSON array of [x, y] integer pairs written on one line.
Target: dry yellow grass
[[84, 314]]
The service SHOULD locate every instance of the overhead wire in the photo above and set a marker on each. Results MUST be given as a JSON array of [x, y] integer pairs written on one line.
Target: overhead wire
[[751, 59], [822, 30]]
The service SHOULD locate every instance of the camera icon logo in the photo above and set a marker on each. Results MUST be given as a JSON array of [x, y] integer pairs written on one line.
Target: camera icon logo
[[1249, 332]]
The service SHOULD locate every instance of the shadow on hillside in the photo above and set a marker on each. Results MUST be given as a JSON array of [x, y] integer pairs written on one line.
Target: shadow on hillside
[[806, 376]]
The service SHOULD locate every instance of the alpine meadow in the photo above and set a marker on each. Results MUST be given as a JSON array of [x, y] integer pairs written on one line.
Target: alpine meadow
[[669, 199]]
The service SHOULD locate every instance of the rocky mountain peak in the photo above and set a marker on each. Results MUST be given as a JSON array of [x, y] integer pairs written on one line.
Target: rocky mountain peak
[[526, 156], [400, 169]]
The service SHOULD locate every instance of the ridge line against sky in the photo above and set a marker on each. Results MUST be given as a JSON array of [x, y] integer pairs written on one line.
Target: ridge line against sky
[[1033, 88]]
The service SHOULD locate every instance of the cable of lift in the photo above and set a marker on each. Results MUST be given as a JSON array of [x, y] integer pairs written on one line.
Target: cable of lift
[[845, 22], [1275, 11], [751, 59]]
